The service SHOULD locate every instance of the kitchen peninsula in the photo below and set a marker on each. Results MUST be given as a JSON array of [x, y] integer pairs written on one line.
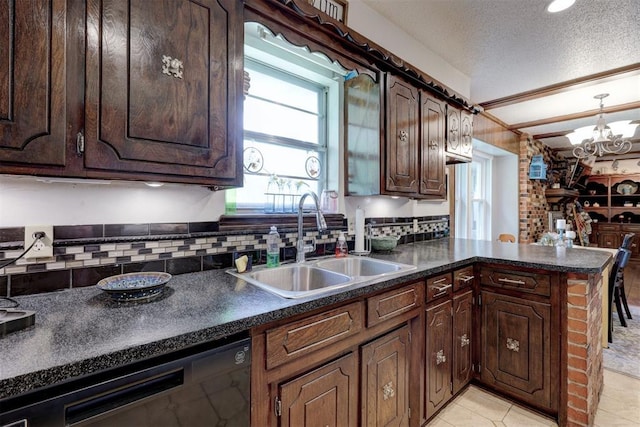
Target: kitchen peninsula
[[78, 333]]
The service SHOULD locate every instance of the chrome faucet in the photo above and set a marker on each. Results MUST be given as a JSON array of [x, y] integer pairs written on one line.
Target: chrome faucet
[[301, 248]]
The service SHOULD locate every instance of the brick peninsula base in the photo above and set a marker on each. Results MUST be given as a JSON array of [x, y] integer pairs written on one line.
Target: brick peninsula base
[[582, 349]]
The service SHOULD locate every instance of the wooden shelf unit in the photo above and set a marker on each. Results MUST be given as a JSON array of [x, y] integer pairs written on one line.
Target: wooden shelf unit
[[605, 200], [612, 219]]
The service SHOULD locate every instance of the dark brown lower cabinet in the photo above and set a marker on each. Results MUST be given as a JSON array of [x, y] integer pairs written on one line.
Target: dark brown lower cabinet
[[385, 380], [516, 348], [438, 386], [462, 339], [327, 396]]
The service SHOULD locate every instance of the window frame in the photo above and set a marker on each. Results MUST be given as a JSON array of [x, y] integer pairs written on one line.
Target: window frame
[[321, 148]]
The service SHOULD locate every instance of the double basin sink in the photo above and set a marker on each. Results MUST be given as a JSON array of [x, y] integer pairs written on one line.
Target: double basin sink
[[314, 277]]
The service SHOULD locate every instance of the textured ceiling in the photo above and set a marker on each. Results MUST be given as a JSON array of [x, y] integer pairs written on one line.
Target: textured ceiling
[[508, 47]]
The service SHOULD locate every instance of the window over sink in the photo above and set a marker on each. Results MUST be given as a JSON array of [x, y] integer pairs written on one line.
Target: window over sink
[[292, 122]]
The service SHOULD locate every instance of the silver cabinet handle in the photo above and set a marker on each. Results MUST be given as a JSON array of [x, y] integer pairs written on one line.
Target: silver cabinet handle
[[388, 391], [513, 345], [441, 289], [466, 279], [464, 340], [440, 357], [515, 282]]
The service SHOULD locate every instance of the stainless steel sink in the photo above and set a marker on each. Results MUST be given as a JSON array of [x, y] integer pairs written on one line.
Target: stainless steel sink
[[362, 267], [302, 280], [295, 281]]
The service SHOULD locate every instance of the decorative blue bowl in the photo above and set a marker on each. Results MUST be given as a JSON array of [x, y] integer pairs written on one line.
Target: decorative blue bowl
[[134, 286]]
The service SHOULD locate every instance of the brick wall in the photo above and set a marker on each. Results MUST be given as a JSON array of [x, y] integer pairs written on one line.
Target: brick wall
[[533, 204], [532, 201], [584, 377]]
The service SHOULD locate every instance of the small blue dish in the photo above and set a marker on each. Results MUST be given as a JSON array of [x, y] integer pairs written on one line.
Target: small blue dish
[[134, 286]]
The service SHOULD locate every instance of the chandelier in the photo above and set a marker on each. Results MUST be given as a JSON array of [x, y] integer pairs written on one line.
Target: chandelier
[[603, 138]]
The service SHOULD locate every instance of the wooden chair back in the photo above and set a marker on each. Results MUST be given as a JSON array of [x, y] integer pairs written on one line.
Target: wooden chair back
[[506, 237]]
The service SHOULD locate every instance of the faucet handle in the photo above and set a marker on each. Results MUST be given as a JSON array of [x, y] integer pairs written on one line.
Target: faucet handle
[[322, 223]]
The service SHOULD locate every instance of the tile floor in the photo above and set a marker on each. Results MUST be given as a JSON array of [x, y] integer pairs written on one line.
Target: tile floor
[[619, 406]]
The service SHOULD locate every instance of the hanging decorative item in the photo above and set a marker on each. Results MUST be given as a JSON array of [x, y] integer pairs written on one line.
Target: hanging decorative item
[[252, 160], [312, 166], [611, 138], [537, 168]]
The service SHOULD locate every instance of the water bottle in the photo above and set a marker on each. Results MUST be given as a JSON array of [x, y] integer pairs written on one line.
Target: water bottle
[[273, 251]]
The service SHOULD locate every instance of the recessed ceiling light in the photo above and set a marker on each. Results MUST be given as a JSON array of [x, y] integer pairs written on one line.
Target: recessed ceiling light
[[559, 5]]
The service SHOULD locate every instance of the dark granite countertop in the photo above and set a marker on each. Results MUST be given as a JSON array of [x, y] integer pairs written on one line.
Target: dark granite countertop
[[80, 331]]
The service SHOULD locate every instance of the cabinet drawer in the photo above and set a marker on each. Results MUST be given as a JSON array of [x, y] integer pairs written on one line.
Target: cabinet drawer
[[393, 303], [463, 278], [288, 342], [439, 286], [523, 281], [608, 227]]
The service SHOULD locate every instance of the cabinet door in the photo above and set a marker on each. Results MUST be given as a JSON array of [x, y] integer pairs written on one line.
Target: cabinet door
[[609, 239], [385, 380], [432, 171], [401, 153], [516, 355], [163, 89], [459, 133], [466, 134], [327, 396], [454, 140], [438, 357], [32, 86], [462, 335]]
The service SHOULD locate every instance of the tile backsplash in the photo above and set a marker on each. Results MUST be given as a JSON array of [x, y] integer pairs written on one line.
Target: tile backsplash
[[85, 254]]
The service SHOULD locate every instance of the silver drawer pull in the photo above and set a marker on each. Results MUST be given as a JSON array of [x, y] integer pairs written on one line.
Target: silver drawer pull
[[440, 289], [444, 279], [514, 282], [466, 279]]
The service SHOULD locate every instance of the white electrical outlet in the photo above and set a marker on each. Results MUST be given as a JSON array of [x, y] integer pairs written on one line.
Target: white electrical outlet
[[351, 225], [43, 248]]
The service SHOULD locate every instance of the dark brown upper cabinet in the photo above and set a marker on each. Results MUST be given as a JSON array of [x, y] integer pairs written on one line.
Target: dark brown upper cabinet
[[403, 127], [162, 88], [32, 80], [459, 135], [414, 152], [432, 169], [156, 95]]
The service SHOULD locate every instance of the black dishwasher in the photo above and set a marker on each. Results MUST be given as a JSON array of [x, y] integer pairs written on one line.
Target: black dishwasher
[[207, 388]]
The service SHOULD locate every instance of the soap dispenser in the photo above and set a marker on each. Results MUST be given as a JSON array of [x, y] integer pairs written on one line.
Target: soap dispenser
[[341, 246]]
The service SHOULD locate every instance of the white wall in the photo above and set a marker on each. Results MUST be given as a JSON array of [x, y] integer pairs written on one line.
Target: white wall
[[374, 26], [26, 201], [505, 212]]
